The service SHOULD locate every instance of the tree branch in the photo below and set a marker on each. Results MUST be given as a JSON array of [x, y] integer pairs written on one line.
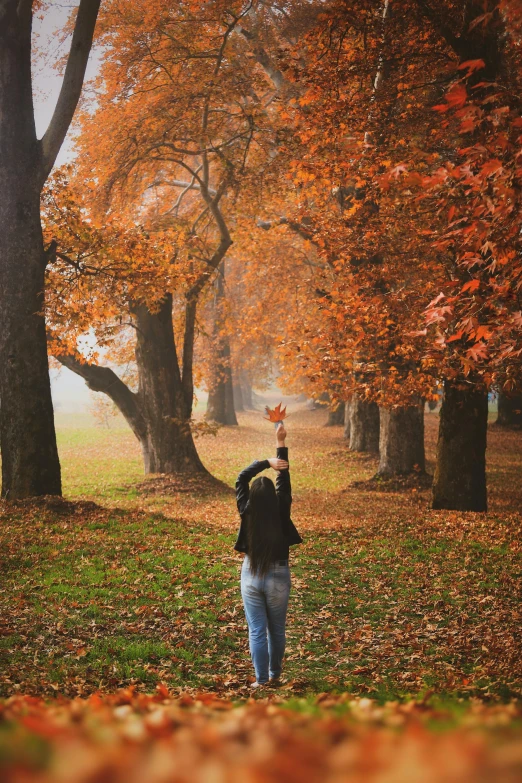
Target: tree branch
[[103, 379], [274, 74], [72, 85]]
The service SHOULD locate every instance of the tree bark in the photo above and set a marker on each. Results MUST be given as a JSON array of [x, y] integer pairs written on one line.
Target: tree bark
[[509, 411], [335, 416], [30, 464], [347, 418], [168, 446], [460, 473], [220, 405], [157, 412], [401, 441], [364, 425]]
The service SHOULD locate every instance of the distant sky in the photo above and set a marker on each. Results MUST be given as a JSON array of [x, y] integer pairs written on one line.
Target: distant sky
[[70, 392]]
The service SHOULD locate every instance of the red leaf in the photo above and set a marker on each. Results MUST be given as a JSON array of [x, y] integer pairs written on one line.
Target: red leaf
[[277, 414], [471, 285], [472, 65], [456, 96]]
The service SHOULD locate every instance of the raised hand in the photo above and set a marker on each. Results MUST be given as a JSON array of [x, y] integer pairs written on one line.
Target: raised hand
[[278, 464], [281, 435]]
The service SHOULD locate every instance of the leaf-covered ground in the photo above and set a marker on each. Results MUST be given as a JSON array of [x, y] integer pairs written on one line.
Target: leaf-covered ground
[[132, 738], [133, 584]]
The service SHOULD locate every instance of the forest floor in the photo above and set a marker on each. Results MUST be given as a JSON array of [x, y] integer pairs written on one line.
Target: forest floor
[[404, 630]]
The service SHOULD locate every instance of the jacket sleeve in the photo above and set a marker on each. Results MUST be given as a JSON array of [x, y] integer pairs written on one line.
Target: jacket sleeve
[[243, 481], [283, 486], [284, 494]]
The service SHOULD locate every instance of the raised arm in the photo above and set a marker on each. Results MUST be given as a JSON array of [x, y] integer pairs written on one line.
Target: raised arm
[[246, 476], [283, 486]]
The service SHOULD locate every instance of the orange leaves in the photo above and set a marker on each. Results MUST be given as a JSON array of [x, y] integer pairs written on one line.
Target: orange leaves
[[277, 414], [183, 738], [478, 352], [455, 98], [471, 286], [471, 66]]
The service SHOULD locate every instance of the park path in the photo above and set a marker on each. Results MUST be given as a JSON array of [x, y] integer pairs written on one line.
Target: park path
[[104, 465]]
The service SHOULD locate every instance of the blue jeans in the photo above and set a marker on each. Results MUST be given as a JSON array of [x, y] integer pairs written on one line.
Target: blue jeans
[[265, 599]]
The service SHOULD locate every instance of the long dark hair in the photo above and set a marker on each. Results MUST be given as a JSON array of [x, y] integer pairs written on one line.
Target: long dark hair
[[264, 532]]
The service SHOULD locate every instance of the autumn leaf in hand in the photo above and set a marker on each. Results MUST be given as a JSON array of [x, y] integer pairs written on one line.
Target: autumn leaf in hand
[[275, 415]]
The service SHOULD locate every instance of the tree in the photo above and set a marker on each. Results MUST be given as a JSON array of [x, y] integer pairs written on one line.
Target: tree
[[30, 464], [509, 411], [123, 283], [173, 133]]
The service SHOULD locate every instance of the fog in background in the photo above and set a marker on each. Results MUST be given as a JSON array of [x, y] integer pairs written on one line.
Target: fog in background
[[70, 393]]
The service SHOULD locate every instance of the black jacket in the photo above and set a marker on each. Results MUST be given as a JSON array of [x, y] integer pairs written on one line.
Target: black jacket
[[284, 495]]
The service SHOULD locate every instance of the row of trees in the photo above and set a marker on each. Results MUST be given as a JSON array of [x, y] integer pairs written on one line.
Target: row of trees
[[407, 168], [254, 177]]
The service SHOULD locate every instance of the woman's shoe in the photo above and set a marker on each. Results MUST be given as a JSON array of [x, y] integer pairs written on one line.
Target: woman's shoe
[[257, 684]]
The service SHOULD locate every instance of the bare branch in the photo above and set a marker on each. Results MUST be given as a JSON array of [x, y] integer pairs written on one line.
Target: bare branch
[[103, 379]]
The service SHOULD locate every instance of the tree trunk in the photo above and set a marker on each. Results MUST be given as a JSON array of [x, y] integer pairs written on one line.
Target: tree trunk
[[336, 416], [509, 411], [246, 391], [168, 446], [30, 464], [364, 425], [401, 441], [460, 472], [347, 418], [220, 405]]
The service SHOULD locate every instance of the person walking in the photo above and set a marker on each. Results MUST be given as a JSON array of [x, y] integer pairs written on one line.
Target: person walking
[[265, 535]]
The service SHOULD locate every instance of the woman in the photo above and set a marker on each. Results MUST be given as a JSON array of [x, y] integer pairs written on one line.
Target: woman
[[265, 535]]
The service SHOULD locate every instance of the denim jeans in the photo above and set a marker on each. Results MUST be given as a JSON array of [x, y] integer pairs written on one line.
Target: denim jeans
[[265, 599]]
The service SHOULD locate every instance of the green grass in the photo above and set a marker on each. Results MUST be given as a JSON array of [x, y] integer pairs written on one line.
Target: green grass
[[389, 599], [112, 599]]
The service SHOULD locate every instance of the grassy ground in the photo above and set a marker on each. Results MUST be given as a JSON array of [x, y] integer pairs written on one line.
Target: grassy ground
[[390, 600]]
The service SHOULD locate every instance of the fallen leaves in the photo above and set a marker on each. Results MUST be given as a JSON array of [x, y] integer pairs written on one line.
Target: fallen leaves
[[132, 737]]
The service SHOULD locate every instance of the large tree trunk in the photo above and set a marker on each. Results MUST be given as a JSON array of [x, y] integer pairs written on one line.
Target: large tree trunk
[[347, 418], [364, 425], [30, 464], [168, 446], [335, 416], [509, 411], [401, 441], [460, 472], [220, 405]]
